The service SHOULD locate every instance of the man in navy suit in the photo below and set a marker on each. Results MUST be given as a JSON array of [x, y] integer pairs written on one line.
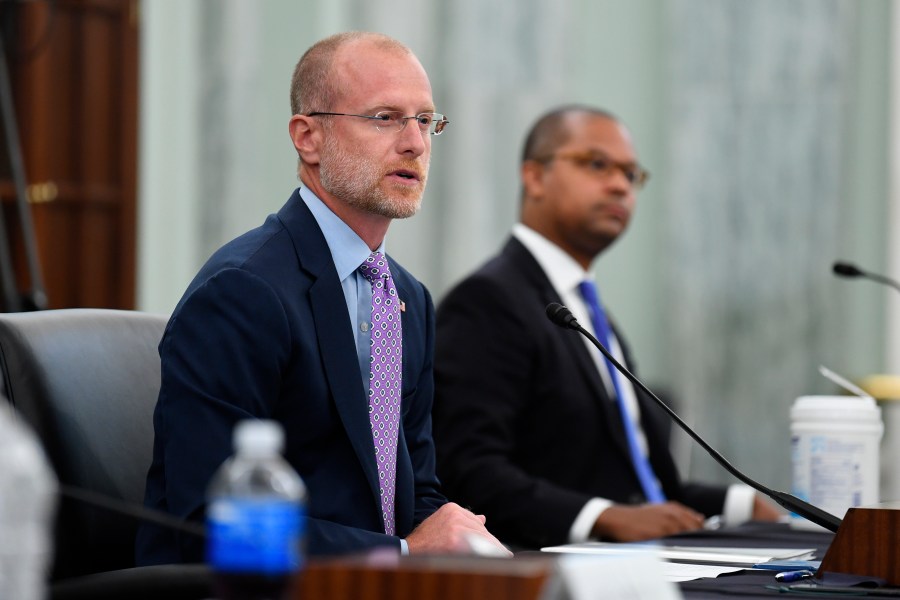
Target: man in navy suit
[[528, 423], [277, 325]]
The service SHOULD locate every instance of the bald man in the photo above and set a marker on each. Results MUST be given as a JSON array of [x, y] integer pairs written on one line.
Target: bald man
[[306, 320], [533, 428]]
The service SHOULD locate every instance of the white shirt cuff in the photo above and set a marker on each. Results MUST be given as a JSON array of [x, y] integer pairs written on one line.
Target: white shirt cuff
[[738, 509], [404, 548], [738, 504], [584, 522]]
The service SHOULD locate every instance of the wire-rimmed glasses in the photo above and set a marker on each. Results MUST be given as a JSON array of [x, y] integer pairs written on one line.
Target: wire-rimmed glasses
[[393, 120], [603, 166]]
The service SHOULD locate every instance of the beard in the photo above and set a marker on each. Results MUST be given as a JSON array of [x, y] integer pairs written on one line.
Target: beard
[[358, 180]]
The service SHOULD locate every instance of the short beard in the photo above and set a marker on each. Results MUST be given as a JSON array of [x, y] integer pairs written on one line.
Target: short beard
[[356, 178]]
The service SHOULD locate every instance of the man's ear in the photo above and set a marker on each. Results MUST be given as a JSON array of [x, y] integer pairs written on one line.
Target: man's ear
[[306, 134], [532, 173]]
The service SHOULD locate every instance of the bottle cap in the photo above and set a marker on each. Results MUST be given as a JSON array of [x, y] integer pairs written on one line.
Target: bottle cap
[[258, 437]]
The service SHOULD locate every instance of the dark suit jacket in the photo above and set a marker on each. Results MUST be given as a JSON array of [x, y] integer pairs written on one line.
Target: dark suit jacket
[[524, 428], [263, 332]]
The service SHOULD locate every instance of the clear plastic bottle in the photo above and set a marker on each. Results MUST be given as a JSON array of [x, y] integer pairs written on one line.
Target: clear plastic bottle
[[256, 517], [27, 501]]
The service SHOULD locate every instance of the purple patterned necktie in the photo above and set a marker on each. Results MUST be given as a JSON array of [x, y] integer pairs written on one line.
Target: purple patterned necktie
[[385, 376]]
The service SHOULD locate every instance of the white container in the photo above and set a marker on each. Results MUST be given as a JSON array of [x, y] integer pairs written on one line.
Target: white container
[[890, 450], [835, 450]]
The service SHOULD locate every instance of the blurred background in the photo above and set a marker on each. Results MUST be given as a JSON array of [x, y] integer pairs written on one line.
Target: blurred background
[[154, 131]]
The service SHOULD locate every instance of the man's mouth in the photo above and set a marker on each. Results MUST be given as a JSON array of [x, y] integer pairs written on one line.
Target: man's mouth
[[405, 174], [614, 209]]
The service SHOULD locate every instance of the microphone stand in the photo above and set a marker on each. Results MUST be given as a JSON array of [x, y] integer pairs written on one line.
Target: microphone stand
[[128, 509], [561, 316], [867, 538], [36, 297]]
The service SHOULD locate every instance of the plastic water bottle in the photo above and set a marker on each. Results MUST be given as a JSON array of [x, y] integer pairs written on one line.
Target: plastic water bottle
[[27, 502], [256, 517]]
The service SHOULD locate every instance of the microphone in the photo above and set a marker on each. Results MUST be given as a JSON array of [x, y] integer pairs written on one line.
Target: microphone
[[135, 511], [845, 269], [562, 316]]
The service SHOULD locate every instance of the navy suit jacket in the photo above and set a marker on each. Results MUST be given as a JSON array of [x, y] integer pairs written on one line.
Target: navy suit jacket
[[525, 430], [263, 332]]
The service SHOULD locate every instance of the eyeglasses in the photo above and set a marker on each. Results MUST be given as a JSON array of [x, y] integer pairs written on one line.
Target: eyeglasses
[[603, 166], [393, 120]]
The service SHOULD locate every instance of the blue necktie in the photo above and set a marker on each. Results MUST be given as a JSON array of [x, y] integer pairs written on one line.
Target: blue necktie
[[641, 465]]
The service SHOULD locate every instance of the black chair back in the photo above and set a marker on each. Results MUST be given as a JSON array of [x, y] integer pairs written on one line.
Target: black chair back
[[86, 381]]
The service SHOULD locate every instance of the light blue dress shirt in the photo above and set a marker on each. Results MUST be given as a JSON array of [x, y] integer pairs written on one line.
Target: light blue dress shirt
[[348, 251]]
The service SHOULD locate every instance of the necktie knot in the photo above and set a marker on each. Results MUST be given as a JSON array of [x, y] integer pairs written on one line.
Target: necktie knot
[[590, 294], [375, 268]]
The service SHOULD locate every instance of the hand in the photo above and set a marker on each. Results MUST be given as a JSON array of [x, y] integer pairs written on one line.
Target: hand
[[448, 531], [763, 510], [625, 523]]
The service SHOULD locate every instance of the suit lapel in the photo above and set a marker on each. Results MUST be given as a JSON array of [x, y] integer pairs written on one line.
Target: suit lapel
[[575, 346], [329, 309]]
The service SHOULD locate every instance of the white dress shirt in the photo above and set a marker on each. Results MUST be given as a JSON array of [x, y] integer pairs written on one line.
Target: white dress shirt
[[565, 274]]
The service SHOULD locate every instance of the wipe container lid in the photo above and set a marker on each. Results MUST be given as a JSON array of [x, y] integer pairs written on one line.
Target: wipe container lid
[[836, 410]]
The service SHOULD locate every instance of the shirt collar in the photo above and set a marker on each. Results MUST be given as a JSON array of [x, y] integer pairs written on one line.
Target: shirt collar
[[348, 250], [562, 270]]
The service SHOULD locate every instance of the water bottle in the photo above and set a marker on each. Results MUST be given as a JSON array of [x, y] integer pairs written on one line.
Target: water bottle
[[256, 517], [27, 502]]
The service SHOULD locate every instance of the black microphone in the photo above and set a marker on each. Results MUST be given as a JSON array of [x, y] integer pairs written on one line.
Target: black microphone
[[845, 269], [135, 511], [562, 316]]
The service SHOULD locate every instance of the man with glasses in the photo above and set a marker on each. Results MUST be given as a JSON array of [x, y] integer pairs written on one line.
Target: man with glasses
[[533, 427], [305, 320]]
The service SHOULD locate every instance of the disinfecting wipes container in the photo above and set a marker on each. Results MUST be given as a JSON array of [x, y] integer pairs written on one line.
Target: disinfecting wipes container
[[835, 446]]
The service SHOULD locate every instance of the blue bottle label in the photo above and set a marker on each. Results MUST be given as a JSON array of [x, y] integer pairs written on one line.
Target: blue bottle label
[[254, 535]]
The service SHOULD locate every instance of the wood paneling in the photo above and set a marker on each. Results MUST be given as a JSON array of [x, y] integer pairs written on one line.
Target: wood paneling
[[74, 67]]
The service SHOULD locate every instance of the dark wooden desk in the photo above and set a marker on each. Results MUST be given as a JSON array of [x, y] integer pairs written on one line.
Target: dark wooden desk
[[383, 577], [390, 577]]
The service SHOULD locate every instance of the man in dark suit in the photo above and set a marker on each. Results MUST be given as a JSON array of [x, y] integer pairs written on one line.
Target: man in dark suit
[[279, 324], [528, 417]]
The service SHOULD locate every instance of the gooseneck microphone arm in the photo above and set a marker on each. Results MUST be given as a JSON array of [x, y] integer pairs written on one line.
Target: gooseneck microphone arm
[[128, 509], [562, 316], [845, 269]]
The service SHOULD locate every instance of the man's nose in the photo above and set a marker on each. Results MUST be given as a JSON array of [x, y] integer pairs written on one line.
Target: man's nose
[[411, 139], [618, 181]]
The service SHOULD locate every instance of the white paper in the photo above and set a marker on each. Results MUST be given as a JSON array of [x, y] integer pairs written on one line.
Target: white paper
[[746, 557], [678, 572], [637, 576]]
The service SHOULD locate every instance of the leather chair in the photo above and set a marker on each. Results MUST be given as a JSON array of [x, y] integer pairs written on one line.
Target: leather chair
[[86, 381]]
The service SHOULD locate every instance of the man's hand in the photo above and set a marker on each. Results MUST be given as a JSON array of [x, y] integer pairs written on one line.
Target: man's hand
[[764, 510], [449, 530], [624, 523]]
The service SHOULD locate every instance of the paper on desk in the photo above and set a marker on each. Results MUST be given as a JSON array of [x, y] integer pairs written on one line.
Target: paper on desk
[[740, 557], [677, 572], [634, 576]]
